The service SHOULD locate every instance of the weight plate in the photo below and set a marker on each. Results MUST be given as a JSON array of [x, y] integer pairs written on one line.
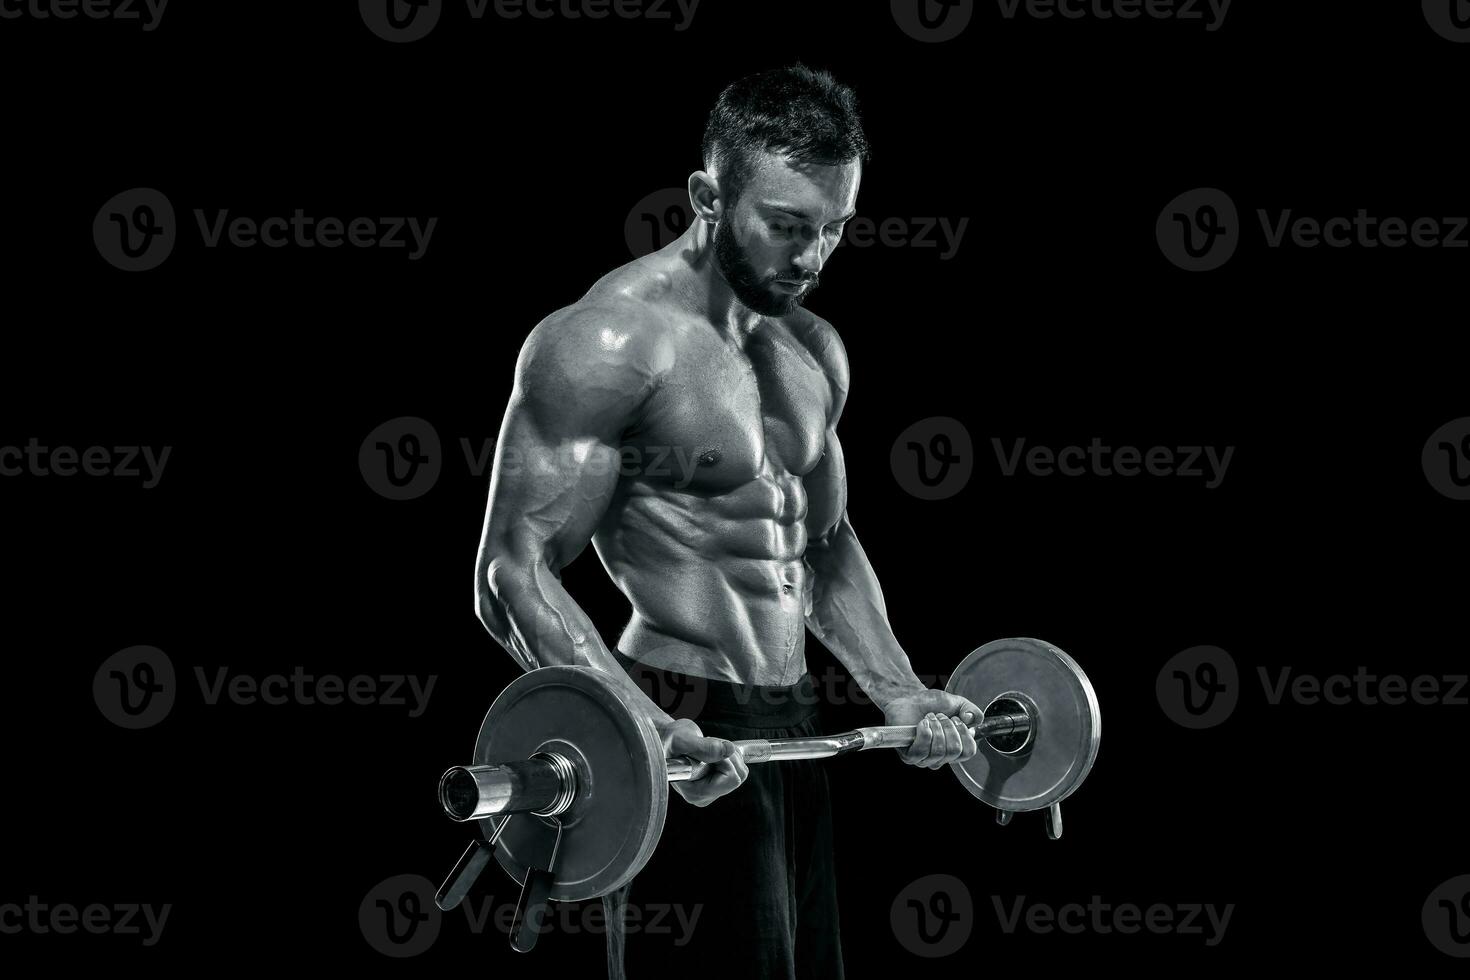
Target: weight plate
[[1066, 723], [610, 830]]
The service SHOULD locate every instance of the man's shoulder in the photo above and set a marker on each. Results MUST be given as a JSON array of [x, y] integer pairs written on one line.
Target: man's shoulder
[[823, 343], [604, 331]]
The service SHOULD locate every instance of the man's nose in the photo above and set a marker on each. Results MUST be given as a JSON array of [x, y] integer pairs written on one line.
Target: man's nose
[[812, 255]]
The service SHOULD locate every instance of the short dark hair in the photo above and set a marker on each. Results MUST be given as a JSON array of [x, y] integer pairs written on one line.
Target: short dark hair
[[798, 111]]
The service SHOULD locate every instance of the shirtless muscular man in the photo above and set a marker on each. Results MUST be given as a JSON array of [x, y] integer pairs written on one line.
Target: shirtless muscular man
[[703, 354]]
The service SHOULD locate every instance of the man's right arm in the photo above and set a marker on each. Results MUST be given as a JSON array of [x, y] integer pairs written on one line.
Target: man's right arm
[[582, 379]]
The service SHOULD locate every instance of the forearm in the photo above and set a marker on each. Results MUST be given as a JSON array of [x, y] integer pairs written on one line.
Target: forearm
[[849, 617], [530, 614]]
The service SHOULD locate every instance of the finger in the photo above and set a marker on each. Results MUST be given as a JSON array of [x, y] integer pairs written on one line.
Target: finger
[[707, 749], [941, 743], [725, 778], [942, 735], [692, 793], [933, 739], [953, 741], [721, 774], [965, 714], [967, 741], [918, 749], [683, 738], [954, 705], [936, 748], [906, 752]]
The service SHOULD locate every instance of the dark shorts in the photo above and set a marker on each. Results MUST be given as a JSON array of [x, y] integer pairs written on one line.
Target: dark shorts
[[743, 887]]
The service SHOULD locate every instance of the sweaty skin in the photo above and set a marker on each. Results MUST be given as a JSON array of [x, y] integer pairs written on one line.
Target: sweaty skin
[[693, 442]]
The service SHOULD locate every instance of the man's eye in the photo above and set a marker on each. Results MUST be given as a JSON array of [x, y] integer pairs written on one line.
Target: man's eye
[[793, 231]]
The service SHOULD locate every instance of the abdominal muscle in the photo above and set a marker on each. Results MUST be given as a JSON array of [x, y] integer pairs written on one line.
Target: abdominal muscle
[[717, 583]]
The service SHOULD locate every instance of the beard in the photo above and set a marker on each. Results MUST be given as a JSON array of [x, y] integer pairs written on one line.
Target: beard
[[757, 292]]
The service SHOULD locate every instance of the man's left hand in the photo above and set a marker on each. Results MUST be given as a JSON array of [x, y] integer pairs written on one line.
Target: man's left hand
[[940, 735]]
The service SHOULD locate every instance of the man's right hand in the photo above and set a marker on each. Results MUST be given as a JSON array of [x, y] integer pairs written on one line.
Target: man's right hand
[[728, 768]]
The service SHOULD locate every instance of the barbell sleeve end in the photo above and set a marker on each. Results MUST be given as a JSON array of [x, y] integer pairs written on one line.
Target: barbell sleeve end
[[544, 784]]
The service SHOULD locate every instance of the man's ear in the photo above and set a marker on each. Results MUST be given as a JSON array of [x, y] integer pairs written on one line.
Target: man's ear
[[704, 196]]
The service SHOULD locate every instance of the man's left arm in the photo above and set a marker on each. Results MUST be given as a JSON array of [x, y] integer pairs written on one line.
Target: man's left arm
[[846, 612]]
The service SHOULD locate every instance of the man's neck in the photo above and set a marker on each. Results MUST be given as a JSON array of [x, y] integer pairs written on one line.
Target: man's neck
[[698, 282]]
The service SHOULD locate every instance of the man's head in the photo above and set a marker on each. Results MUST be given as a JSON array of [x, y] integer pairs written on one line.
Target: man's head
[[783, 155]]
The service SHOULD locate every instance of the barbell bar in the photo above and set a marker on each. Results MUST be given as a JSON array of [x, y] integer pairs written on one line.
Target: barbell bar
[[545, 784]]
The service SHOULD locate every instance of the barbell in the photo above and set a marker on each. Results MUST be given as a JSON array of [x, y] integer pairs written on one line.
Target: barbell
[[565, 750]]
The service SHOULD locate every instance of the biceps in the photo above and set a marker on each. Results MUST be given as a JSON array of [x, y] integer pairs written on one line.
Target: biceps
[[548, 493]]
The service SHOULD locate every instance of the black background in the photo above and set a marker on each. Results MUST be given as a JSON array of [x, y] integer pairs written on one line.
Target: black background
[[263, 548]]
